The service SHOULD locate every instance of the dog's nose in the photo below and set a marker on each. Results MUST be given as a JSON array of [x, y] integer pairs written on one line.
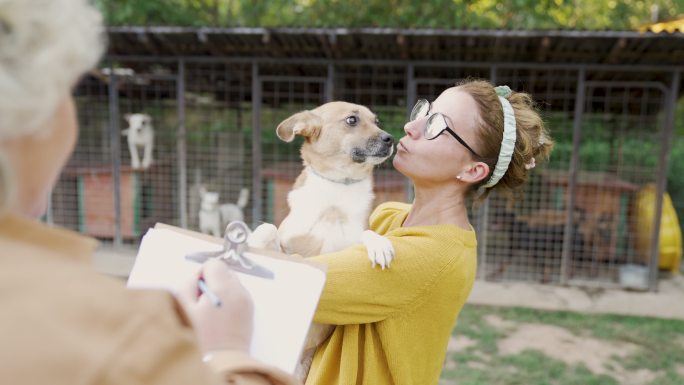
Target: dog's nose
[[387, 138]]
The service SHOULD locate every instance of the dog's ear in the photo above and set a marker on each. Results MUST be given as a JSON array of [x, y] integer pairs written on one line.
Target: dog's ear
[[305, 123], [127, 117]]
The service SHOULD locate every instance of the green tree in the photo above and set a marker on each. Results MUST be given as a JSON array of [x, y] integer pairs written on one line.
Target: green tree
[[511, 14]]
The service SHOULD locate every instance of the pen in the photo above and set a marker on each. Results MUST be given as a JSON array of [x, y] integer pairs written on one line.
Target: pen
[[215, 300]]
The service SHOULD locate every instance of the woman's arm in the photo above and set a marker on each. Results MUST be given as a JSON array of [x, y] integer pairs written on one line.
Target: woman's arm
[[166, 353], [355, 293]]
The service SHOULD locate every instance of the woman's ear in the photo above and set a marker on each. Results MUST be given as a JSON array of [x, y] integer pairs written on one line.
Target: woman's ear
[[475, 173]]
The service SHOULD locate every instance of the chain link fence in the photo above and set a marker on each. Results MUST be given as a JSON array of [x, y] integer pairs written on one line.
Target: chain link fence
[[215, 151]]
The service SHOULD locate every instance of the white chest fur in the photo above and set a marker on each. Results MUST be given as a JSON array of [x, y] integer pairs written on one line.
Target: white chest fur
[[141, 137], [316, 196]]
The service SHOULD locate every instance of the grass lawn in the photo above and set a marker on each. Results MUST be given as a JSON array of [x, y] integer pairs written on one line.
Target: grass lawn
[[514, 346]]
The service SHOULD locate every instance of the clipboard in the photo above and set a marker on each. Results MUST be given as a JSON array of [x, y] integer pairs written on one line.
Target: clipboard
[[285, 298]]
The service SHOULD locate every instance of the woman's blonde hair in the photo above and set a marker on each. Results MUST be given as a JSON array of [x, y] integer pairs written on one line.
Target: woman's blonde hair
[[533, 142], [45, 46]]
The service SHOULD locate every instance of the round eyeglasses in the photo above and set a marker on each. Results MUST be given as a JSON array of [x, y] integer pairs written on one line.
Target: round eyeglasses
[[436, 123]]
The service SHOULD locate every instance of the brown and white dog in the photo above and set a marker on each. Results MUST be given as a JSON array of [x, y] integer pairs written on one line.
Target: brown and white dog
[[331, 199]]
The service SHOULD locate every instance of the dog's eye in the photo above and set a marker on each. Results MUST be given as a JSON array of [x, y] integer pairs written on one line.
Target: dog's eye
[[377, 122], [352, 120]]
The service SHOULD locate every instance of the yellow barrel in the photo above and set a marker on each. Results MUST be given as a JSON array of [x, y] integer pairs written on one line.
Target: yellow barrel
[[670, 232]]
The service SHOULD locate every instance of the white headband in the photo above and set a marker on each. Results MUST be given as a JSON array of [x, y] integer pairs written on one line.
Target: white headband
[[509, 135]]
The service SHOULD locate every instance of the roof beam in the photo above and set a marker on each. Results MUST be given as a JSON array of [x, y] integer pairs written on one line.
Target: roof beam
[[615, 51], [403, 50], [204, 39], [543, 49], [497, 48], [401, 46], [142, 38], [470, 43], [327, 46], [395, 31], [161, 38], [332, 40]]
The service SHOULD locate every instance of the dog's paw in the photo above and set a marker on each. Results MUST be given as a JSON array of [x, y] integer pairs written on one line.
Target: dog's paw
[[380, 250], [146, 163], [265, 236]]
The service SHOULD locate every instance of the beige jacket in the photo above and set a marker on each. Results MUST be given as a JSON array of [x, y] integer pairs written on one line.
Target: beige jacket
[[61, 323]]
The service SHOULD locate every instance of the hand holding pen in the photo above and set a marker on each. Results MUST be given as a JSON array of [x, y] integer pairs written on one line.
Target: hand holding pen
[[219, 308], [204, 288]]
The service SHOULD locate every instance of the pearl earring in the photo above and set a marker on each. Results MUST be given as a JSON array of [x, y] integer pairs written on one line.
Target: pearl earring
[[458, 177]]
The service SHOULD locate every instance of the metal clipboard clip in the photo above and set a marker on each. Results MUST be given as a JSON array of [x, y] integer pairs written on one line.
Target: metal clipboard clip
[[234, 246]]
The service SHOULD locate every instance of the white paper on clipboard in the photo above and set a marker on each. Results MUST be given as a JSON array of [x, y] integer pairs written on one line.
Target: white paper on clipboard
[[283, 306]]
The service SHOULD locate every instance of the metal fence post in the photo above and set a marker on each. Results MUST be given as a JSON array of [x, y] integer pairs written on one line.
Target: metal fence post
[[330, 84], [181, 146], [410, 101], [663, 163], [568, 233], [483, 213], [115, 138], [256, 145]]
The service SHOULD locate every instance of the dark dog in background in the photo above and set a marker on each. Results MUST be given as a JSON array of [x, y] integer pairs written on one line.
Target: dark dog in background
[[537, 239]]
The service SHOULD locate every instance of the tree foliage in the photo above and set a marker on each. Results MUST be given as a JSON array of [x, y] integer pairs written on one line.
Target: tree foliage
[[494, 14]]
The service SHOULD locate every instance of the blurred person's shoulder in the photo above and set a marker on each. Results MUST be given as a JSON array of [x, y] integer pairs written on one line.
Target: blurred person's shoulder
[[54, 267], [58, 311]]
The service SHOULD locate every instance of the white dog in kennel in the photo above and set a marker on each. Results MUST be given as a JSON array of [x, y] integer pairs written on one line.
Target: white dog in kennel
[[214, 217], [140, 135]]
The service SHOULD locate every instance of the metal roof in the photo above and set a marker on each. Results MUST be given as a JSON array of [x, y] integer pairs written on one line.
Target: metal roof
[[622, 48], [618, 64]]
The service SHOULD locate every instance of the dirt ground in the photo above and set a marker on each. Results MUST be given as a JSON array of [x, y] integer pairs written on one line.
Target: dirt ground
[[599, 356], [665, 303]]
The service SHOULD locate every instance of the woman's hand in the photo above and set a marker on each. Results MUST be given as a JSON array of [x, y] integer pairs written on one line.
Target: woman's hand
[[224, 327]]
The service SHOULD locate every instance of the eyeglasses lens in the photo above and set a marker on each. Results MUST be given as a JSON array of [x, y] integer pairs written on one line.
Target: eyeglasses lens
[[420, 109], [435, 126]]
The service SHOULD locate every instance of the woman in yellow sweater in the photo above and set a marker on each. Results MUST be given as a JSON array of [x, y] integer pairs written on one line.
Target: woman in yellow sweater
[[392, 326]]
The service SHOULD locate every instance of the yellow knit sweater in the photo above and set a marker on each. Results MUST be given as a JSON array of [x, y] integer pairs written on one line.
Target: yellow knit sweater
[[393, 326]]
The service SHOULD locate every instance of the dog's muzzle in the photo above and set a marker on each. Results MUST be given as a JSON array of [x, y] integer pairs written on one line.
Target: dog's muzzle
[[380, 146]]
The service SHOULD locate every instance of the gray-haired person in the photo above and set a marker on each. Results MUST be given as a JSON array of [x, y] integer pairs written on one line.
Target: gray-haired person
[[61, 322]]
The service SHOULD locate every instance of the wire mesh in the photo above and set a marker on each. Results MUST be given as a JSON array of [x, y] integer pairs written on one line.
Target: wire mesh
[[383, 90], [222, 117], [524, 236]]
